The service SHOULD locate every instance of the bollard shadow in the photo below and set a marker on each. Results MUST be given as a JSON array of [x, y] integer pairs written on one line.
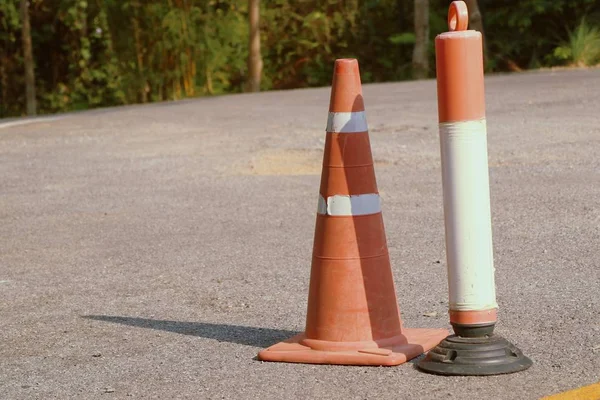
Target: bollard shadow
[[246, 335]]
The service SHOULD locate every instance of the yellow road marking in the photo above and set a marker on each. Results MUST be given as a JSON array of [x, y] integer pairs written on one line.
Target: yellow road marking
[[591, 392]]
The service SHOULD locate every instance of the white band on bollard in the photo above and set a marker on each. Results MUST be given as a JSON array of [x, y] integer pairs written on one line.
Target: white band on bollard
[[467, 214]]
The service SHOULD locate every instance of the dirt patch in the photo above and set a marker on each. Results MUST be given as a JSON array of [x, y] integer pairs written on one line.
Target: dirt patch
[[289, 162], [284, 162]]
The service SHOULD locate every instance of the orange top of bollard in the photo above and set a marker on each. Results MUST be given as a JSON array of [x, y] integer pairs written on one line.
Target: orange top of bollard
[[459, 69], [458, 16]]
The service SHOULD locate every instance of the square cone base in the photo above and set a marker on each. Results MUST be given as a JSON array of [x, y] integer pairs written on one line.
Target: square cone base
[[418, 342]]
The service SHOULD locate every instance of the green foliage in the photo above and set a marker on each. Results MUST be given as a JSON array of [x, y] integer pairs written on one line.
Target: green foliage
[[525, 32], [91, 53], [90, 75], [11, 95], [303, 38], [10, 20], [402, 38], [583, 47], [223, 51]]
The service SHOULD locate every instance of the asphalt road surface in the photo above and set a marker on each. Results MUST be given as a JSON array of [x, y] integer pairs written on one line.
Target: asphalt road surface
[[152, 251]]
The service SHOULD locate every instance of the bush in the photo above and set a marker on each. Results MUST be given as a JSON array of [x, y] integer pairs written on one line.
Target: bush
[[583, 47]]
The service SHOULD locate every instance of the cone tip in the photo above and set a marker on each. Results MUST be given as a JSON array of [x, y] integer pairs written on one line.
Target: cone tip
[[346, 91], [346, 66]]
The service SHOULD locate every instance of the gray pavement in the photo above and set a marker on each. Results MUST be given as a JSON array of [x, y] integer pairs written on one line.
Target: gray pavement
[[152, 251]]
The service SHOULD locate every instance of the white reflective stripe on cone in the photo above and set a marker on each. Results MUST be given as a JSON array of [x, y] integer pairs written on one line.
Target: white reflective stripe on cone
[[347, 122], [344, 205], [469, 250]]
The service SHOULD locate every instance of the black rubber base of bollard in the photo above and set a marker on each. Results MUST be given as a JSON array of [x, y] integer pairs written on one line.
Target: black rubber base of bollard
[[488, 355]]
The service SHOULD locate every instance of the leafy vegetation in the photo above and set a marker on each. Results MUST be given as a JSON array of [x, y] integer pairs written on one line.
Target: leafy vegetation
[[583, 47], [91, 53]]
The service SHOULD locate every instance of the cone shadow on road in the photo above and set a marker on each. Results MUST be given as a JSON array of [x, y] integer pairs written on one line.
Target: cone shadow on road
[[246, 335]]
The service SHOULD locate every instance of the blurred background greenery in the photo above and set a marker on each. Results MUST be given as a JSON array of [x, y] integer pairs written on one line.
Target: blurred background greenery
[[60, 55]]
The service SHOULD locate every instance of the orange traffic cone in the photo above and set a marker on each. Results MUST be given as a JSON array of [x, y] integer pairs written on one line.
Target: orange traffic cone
[[353, 316]]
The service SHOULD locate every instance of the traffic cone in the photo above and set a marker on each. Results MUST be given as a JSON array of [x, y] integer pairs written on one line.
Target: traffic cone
[[353, 316], [474, 349]]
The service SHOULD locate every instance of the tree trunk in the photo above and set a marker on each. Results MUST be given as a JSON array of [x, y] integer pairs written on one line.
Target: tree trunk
[[28, 59], [255, 63], [3, 85], [139, 55], [209, 84], [476, 20], [420, 62]]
